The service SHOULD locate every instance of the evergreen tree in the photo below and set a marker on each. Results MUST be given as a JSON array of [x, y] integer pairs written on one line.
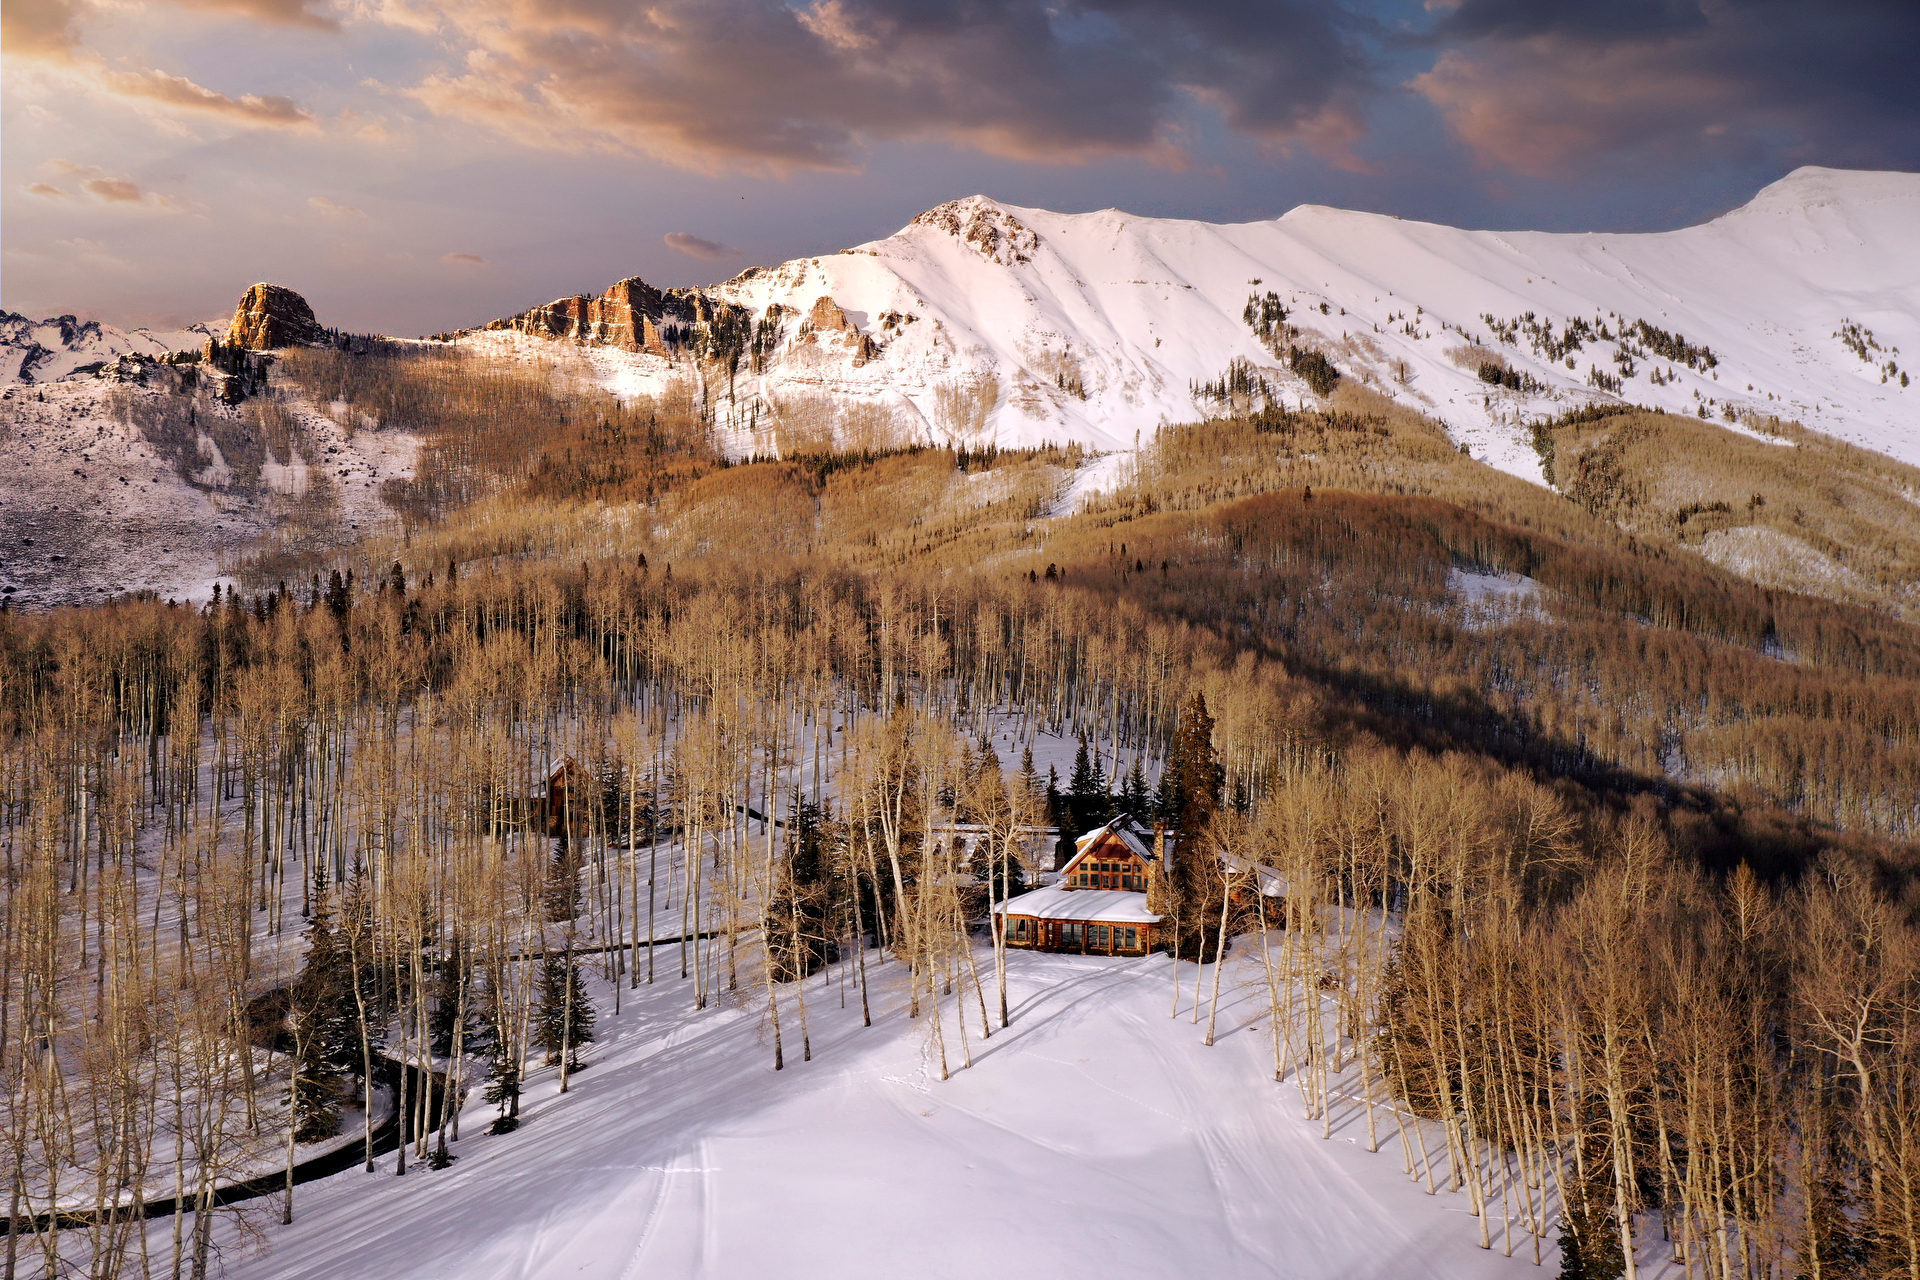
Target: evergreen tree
[[491, 1042], [796, 918], [563, 894], [451, 973], [1028, 778], [564, 1020], [320, 1020], [1135, 797], [1189, 889], [339, 595], [1087, 798], [1190, 785], [1589, 1242]]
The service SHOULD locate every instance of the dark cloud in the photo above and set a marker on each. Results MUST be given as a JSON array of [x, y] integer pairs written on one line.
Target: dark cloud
[[760, 83], [1640, 19], [696, 247], [464, 259], [1548, 88]]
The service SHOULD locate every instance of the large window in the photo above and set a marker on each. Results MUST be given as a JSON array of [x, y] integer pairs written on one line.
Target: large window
[[1097, 937], [1127, 939]]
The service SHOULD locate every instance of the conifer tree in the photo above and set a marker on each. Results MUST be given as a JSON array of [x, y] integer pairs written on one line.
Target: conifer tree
[[319, 1022], [490, 1041], [452, 972], [1135, 797], [563, 1022], [1087, 797], [801, 897], [563, 894], [1189, 795]]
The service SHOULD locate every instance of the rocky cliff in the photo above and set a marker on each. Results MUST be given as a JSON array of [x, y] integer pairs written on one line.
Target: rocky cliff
[[270, 316], [631, 315]]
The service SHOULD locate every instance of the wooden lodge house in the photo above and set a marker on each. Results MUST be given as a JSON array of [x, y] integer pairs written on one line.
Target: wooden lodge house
[[566, 780], [1098, 905]]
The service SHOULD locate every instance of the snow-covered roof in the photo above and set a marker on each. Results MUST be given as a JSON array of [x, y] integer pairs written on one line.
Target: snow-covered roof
[[1057, 903], [1273, 884], [1126, 829]]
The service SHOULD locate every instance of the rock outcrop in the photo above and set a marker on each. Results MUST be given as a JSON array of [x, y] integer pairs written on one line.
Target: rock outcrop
[[827, 317], [270, 316], [631, 315], [994, 233]]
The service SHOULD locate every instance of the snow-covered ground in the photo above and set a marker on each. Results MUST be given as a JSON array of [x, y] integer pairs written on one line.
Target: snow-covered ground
[[1487, 598], [59, 346], [1095, 1136], [89, 509], [1097, 327]]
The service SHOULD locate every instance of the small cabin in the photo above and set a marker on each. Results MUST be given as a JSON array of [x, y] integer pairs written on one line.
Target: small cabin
[[1098, 905], [565, 781]]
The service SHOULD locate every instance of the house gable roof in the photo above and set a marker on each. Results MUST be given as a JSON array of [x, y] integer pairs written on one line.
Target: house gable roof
[[1124, 828]]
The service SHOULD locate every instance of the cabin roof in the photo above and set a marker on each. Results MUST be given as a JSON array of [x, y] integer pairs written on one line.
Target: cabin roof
[[1057, 903], [1273, 884], [1126, 829]]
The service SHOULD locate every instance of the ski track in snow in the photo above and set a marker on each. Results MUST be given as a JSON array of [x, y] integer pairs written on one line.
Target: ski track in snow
[[1095, 1134]]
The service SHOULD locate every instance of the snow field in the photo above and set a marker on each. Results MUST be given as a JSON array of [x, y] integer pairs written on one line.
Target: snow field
[[1094, 1136], [1095, 328]]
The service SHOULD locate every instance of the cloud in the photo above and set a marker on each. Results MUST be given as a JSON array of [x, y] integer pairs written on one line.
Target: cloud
[[764, 84], [333, 209], [38, 28], [178, 91], [464, 259], [102, 186], [292, 13], [696, 247], [114, 190], [43, 31], [1549, 89]]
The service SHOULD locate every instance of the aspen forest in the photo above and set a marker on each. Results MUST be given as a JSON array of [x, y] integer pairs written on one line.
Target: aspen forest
[[1556, 864]]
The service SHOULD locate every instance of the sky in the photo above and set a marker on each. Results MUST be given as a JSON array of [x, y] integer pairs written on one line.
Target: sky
[[418, 165]]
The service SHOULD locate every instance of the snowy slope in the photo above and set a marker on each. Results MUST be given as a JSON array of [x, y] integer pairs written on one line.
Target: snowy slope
[[1134, 312], [1096, 1136], [91, 509], [62, 346]]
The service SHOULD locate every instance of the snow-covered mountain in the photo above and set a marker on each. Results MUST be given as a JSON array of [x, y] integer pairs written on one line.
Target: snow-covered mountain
[[64, 346], [982, 320]]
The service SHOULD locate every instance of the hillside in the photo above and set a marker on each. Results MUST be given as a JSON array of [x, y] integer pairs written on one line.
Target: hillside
[[980, 321]]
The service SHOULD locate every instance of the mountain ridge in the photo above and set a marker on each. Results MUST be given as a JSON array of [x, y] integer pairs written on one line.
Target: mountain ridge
[[1095, 327]]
